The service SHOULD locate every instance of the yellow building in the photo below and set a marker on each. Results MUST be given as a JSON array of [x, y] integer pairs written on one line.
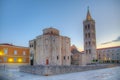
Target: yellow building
[[14, 55]]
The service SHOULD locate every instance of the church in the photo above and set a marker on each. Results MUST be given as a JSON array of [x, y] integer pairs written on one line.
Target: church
[[50, 48]]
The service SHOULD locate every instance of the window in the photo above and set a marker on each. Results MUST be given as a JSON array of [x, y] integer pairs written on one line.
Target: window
[[89, 51], [57, 57], [89, 43], [24, 53], [0, 60], [85, 27], [88, 35], [31, 45], [24, 59], [64, 57], [15, 59], [5, 51], [5, 59], [15, 52], [86, 43], [86, 51], [88, 26], [68, 57]]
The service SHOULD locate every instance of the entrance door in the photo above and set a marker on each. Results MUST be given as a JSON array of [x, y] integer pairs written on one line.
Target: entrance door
[[47, 61]]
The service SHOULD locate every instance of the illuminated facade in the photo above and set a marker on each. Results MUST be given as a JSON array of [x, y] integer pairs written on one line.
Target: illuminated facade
[[10, 54], [109, 55]]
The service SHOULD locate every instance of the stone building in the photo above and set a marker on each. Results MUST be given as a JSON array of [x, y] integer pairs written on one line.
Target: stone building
[[76, 58], [50, 48], [109, 55], [89, 38]]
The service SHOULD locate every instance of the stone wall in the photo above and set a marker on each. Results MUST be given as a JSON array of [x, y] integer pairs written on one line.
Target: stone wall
[[52, 70]]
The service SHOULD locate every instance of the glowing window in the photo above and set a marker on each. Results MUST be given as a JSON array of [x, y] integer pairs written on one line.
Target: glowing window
[[10, 60], [15, 52], [19, 60], [1, 53]]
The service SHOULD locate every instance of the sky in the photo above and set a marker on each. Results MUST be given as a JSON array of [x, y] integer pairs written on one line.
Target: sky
[[23, 20]]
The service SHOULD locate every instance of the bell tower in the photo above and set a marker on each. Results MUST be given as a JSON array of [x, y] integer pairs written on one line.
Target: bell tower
[[89, 38]]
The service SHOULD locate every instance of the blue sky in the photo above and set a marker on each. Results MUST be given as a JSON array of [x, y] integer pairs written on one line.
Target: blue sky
[[23, 20]]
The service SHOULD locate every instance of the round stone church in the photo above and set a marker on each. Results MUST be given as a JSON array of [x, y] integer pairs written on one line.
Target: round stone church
[[50, 48]]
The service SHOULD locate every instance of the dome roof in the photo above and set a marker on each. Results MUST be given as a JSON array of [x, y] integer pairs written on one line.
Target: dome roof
[[50, 31]]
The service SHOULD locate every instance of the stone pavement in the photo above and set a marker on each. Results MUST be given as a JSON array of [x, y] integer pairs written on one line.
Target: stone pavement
[[101, 74]]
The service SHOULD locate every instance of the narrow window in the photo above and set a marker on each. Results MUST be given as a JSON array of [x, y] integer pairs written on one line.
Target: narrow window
[[89, 35], [89, 51], [88, 26], [15, 59], [86, 51], [57, 57], [86, 35], [68, 57], [86, 43], [85, 27], [89, 43], [64, 57]]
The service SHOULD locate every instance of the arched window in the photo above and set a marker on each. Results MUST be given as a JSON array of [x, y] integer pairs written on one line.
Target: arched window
[[86, 43], [89, 43], [57, 57], [88, 35], [85, 27], [88, 26], [64, 57], [89, 51], [68, 57]]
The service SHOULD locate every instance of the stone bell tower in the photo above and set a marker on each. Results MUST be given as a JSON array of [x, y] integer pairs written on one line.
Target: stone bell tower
[[89, 38]]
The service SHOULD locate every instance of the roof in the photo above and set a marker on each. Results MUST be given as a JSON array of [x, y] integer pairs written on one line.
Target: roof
[[11, 45], [109, 47], [88, 17]]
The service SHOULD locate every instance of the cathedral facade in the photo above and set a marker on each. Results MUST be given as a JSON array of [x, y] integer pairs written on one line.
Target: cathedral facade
[[50, 48], [89, 39]]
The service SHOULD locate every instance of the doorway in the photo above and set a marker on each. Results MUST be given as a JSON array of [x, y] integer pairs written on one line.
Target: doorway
[[47, 61]]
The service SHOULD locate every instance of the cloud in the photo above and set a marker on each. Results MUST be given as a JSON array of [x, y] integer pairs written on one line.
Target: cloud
[[116, 40]]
